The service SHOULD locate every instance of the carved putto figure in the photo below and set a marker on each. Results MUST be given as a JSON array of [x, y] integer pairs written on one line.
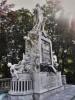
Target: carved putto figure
[[13, 71], [17, 68]]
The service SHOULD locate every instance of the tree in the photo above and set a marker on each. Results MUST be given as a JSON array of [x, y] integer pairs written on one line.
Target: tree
[[14, 26], [22, 25], [60, 35], [4, 9]]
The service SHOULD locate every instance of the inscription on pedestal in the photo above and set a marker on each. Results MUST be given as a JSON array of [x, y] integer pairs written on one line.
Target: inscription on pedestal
[[46, 53]]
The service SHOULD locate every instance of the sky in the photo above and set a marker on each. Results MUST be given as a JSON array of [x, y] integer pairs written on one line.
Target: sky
[[29, 4], [69, 5]]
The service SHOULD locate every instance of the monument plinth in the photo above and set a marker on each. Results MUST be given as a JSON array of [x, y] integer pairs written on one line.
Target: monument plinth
[[35, 77]]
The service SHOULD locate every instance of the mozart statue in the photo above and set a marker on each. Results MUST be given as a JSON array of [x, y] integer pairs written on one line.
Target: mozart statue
[[39, 18]]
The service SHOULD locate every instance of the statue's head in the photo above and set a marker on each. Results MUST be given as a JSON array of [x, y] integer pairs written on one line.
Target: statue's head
[[23, 62], [38, 5], [9, 65]]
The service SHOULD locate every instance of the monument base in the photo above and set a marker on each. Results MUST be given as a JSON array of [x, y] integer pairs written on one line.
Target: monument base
[[21, 89], [45, 84], [36, 86], [46, 95], [20, 97]]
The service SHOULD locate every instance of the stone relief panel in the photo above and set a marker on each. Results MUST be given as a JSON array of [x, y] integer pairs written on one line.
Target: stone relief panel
[[46, 52]]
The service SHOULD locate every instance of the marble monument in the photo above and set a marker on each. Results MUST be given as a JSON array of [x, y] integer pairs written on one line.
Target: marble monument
[[36, 77]]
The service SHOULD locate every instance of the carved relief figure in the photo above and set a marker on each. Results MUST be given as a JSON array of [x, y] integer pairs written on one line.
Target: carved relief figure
[[55, 60]]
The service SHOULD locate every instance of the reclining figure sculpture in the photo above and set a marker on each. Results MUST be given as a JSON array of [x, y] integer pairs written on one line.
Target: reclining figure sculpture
[[19, 68]]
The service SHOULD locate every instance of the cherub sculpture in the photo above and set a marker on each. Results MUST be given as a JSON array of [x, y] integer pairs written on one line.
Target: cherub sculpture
[[13, 71], [17, 68]]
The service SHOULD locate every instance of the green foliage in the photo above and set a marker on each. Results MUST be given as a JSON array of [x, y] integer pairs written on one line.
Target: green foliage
[[61, 38], [22, 25], [14, 26]]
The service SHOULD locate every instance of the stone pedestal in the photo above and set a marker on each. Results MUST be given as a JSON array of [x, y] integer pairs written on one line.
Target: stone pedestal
[[38, 86], [21, 89], [45, 84]]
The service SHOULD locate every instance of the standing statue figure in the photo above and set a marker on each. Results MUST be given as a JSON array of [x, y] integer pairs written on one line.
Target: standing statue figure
[[39, 18]]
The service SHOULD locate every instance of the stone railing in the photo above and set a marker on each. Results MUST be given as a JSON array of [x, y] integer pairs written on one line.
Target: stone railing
[[5, 84], [21, 86]]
